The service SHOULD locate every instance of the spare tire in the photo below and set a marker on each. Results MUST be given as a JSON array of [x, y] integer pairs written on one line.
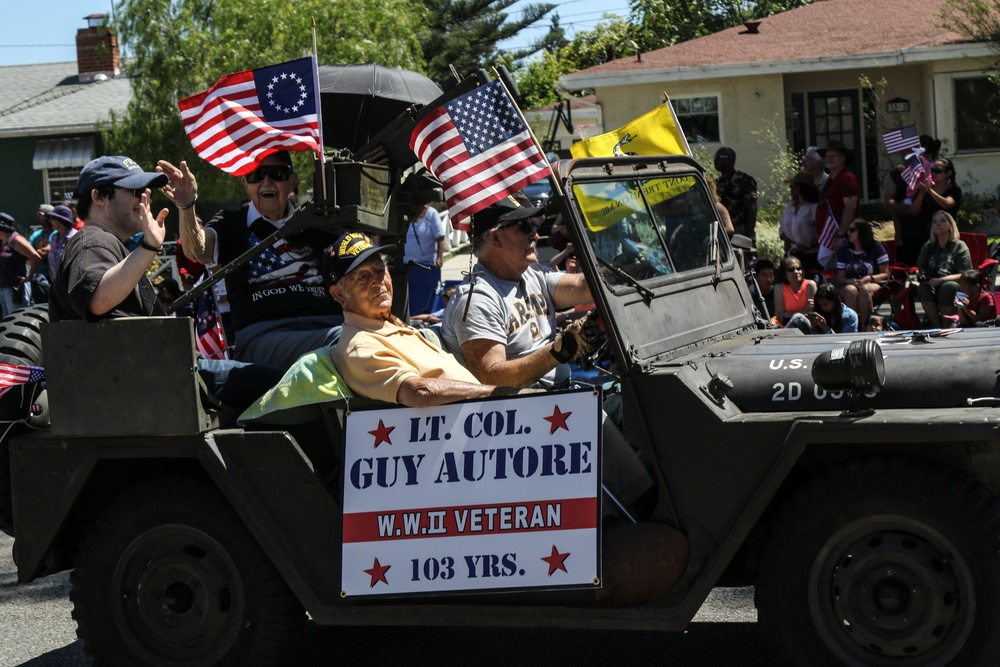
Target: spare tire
[[20, 345]]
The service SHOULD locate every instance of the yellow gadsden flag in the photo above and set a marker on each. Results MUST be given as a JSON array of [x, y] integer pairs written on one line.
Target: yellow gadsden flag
[[655, 133]]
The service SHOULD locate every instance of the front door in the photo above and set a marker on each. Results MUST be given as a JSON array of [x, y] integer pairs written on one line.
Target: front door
[[836, 114]]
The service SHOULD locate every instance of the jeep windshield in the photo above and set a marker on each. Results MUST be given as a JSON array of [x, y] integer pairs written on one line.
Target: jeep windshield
[[647, 228]]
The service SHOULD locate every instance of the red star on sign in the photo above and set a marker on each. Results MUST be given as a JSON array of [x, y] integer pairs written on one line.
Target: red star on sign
[[377, 573], [556, 561], [382, 433], [557, 420]]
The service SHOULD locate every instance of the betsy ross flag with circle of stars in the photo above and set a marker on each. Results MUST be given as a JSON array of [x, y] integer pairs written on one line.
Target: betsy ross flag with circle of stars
[[480, 149], [246, 116]]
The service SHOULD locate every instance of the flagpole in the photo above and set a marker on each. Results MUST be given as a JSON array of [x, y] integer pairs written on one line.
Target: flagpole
[[552, 174], [319, 111], [677, 123]]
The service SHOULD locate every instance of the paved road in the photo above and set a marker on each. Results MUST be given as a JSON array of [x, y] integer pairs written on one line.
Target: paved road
[[36, 630]]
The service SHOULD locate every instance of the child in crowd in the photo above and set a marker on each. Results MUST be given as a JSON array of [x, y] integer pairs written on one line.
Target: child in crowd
[[875, 323], [973, 302]]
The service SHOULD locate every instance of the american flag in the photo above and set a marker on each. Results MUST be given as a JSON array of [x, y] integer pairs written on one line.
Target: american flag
[[209, 338], [828, 238], [480, 149], [14, 376], [246, 116], [903, 139]]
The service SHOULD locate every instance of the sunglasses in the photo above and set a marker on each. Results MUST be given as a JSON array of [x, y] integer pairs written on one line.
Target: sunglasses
[[852, 229], [938, 170], [795, 268], [526, 226], [135, 192], [276, 172]]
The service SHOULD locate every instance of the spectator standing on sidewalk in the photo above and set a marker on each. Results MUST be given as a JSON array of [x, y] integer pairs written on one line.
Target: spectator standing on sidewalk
[[63, 228], [737, 191], [425, 246], [18, 261]]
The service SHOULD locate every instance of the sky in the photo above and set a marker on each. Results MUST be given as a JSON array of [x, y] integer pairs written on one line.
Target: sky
[[44, 31]]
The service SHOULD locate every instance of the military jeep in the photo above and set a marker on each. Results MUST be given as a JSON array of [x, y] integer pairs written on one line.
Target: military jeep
[[852, 479]]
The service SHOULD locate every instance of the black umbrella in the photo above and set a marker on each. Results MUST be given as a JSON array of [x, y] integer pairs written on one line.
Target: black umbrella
[[359, 100]]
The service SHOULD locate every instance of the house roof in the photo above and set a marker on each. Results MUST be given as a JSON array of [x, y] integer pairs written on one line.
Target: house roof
[[49, 99], [827, 34]]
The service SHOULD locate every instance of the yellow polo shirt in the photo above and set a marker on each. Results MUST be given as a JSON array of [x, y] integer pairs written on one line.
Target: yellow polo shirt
[[375, 356]]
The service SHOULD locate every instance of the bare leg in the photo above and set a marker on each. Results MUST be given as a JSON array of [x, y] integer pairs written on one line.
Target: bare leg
[[932, 313], [866, 303], [849, 293]]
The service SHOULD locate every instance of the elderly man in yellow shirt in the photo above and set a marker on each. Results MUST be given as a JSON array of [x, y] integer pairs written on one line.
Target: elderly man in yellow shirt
[[378, 355]]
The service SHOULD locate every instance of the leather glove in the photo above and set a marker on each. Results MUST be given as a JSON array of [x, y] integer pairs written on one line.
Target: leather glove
[[573, 341]]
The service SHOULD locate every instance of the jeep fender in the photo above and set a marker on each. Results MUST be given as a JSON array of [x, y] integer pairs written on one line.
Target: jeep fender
[[263, 475]]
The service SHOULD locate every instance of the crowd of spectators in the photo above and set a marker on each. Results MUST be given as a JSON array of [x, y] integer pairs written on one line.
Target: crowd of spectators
[[928, 258]]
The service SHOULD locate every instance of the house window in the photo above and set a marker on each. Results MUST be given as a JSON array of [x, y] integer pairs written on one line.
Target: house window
[[977, 107], [699, 118], [60, 183]]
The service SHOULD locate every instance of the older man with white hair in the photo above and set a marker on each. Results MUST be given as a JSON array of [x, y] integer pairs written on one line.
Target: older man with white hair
[[814, 165]]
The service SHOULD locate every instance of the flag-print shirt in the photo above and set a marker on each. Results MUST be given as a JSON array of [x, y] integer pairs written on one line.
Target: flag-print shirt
[[284, 281]]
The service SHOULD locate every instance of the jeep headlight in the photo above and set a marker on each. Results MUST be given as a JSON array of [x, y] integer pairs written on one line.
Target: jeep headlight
[[859, 367]]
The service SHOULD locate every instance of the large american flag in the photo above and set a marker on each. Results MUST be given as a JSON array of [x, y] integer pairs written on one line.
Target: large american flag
[[903, 139], [480, 149], [246, 116], [14, 376], [209, 337]]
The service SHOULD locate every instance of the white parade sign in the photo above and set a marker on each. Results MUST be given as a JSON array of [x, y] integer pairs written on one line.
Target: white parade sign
[[487, 495]]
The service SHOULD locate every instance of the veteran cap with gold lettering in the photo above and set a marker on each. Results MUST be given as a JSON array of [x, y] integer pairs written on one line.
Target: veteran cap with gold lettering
[[348, 253]]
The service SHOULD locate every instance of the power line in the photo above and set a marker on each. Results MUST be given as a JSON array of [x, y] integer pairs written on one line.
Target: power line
[[34, 46], [614, 10], [577, 25]]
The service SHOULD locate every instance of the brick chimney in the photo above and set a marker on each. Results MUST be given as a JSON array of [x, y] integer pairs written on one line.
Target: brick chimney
[[96, 49]]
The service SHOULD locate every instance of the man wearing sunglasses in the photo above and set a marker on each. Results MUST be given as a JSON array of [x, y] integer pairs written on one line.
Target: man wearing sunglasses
[[503, 327], [507, 334], [98, 278], [278, 305]]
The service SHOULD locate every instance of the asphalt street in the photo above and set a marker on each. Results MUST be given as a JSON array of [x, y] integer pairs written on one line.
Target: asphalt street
[[37, 630]]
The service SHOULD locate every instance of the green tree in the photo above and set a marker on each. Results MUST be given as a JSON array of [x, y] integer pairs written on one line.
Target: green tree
[[180, 47], [555, 39], [660, 23], [464, 33], [537, 77]]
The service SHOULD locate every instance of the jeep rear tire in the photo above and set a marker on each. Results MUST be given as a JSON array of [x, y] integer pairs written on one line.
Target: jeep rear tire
[[169, 575], [883, 562], [21, 345]]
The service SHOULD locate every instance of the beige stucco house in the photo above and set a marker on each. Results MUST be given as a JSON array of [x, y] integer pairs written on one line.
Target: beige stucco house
[[812, 73]]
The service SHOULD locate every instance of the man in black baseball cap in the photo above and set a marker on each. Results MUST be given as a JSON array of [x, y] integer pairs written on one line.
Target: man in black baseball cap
[[119, 171], [503, 327], [507, 210], [98, 277]]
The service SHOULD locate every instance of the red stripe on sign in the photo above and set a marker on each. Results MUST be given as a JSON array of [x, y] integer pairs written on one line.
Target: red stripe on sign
[[523, 517]]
